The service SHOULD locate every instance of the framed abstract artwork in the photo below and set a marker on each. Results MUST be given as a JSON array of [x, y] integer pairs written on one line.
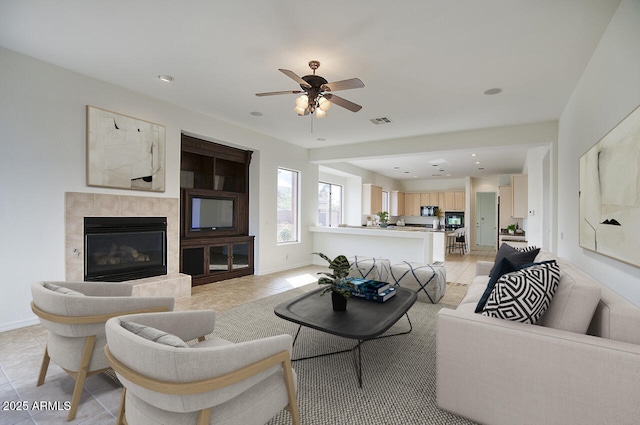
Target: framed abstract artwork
[[610, 193], [124, 152]]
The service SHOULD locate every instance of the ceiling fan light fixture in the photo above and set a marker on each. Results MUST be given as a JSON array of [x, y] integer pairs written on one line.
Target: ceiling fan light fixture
[[323, 104], [300, 111], [302, 101], [320, 113]]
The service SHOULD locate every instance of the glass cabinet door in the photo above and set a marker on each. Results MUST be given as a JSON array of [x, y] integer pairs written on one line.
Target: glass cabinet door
[[218, 259], [240, 256]]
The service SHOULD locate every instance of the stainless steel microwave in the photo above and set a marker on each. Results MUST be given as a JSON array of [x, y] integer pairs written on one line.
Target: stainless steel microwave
[[428, 211]]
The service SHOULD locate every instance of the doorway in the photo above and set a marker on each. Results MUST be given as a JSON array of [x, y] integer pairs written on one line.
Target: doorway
[[486, 219]]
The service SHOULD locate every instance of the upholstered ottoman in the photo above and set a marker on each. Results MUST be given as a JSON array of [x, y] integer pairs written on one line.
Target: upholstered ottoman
[[370, 268], [429, 280]]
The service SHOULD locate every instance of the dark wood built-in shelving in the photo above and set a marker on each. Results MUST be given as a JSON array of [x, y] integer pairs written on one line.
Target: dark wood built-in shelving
[[218, 173]]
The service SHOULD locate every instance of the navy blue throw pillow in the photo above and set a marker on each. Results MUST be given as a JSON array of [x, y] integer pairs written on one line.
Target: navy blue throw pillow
[[516, 256], [505, 266]]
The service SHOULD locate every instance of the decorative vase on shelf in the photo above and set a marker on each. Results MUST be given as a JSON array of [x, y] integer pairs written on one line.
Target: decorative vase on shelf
[[338, 301]]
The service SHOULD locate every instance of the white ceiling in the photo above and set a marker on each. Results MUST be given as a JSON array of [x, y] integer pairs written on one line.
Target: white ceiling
[[425, 63]]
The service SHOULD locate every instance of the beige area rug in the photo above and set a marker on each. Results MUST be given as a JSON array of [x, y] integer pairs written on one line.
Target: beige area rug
[[399, 373]]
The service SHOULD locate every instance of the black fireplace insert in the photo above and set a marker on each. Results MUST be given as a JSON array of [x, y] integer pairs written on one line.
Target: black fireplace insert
[[124, 248]]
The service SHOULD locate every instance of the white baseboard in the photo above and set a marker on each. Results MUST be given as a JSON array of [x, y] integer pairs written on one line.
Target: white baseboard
[[282, 269], [19, 324]]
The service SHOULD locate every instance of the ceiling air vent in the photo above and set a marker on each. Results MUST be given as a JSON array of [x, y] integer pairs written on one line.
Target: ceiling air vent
[[379, 121]]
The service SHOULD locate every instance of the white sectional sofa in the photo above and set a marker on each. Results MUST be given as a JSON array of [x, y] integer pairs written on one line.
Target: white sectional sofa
[[580, 364]]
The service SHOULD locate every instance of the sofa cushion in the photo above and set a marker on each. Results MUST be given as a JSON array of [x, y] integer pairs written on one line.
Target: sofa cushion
[[62, 290], [153, 334], [516, 256], [524, 295], [574, 302]]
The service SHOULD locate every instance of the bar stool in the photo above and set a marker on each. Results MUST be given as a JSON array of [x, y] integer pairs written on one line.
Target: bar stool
[[461, 240]]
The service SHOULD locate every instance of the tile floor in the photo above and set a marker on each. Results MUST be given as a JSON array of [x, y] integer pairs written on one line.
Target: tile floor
[[21, 349]]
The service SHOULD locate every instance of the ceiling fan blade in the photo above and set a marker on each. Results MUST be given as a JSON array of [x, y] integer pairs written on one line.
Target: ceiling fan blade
[[273, 93], [352, 83], [347, 104], [294, 77]]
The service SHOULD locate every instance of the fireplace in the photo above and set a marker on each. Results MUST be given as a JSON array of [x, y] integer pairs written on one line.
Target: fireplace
[[124, 248]]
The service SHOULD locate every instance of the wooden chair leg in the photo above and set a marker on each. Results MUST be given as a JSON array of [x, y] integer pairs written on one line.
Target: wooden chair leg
[[204, 417], [120, 418], [291, 392], [81, 376], [43, 367]]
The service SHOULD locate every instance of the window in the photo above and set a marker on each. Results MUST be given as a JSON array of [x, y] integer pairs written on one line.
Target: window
[[287, 216], [385, 201], [329, 204]]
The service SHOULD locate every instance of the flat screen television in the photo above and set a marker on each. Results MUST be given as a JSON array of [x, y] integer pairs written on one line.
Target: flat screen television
[[212, 213]]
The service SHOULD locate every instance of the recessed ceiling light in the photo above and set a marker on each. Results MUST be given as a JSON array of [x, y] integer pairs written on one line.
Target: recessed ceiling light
[[493, 91], [256, 113], [480, 168], [396, 168], [477, 162], [406, 172], [473, 154], [165, 78]]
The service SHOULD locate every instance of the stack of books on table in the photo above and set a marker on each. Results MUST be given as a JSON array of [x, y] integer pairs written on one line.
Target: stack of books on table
[[372, 290]]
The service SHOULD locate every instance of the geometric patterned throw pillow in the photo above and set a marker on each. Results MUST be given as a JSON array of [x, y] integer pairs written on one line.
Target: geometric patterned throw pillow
[[524, 295]]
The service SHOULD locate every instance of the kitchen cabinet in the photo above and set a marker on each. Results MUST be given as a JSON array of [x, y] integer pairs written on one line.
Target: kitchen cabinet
[[371, 199], [412, 204], [449, 201], [396, 203], [506, 206], [520, 195]]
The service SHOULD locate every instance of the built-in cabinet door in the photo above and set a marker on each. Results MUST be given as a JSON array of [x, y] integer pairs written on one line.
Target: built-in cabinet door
[[441, 200], [371, 199], [396, 203], [412, 204], [520, 188], [449, 201], [240, 256], [218, 259], [506, 206]]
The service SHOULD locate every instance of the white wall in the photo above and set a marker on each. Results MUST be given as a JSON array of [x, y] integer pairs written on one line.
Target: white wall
[[537, 223], [355, 178], [608, 90], [42, 140]]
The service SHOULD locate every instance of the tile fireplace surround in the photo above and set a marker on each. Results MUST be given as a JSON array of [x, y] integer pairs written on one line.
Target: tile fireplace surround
[[79, 205]]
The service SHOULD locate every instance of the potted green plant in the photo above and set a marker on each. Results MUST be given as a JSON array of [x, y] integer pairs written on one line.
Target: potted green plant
[[511, 228], [335, 282], [384, 218], [440, 219]]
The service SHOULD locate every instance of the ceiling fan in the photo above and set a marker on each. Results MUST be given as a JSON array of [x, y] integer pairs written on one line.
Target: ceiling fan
[[318, 95]]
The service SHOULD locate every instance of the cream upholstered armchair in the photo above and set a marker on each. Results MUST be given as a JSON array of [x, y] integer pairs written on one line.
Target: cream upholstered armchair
[[74, 313], [211, 381]]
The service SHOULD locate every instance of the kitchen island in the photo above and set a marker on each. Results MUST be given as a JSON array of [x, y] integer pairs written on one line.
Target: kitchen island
[[398, 244]]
